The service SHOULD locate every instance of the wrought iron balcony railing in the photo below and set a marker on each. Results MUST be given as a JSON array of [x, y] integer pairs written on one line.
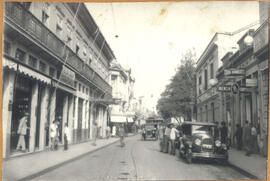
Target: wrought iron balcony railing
[[21, 17]]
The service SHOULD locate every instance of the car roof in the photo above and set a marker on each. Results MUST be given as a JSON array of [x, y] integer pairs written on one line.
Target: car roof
[[199, 123]]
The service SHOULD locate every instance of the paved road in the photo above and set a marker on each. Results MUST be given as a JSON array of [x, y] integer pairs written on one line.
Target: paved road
[[138, 160]]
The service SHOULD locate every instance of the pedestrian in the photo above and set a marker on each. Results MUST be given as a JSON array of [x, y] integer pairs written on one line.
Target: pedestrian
[[143, 133], [53, 132], [66, 136], [113, 130], [229, 141], [22, 131], [246, 135], [223, 133], [121, 135], [172, 138], [108, 132], [166, 138], [252, 139], [238, 135], [95, 133]]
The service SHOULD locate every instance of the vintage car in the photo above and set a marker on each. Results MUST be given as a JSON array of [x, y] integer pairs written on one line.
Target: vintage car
[[197, 140], [150, 131]]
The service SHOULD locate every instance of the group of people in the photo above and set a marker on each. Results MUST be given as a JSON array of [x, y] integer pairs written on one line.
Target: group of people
[[246, 137], [168, 138], [54, 135]]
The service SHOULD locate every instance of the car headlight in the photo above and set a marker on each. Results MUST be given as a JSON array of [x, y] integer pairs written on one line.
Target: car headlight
[[217, 143], [198, 142]]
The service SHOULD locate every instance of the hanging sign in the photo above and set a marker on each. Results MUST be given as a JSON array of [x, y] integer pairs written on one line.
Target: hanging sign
[[234, 72], [251, 82], [235, 88], [224, 88], [67, 76]]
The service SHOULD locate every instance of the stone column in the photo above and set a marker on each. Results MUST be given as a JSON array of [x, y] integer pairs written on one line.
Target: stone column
[[243, 109], [83, 119], [43, 116], [64, 115], [33, 116], [75, 126], [70, 115], [91, 119], [87, 118], [7, 97]]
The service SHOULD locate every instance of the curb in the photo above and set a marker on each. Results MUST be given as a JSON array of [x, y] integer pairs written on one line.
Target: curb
[[51, 168], [244, 172]]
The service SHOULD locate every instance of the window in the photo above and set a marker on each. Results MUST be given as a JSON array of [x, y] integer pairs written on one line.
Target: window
[[77, 49], [206, 113], [75, 85], [7, 47], [45, 17], [26, 5], [42, 67], [52, 72], [86, 91], [205, 80], [58, 31], [32, 61], [20, 55], [79, 87], [211, 71], [82, 89], [213, 111]]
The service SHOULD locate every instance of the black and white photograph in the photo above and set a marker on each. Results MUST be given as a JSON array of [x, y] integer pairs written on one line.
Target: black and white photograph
[[111, 91]]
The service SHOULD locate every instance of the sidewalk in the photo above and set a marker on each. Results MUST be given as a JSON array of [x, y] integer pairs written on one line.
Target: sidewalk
[[255, 164], [26, 167]]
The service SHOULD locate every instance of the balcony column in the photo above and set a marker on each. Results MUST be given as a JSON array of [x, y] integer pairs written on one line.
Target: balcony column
[[70, 114], [43, 116], [33, 118]]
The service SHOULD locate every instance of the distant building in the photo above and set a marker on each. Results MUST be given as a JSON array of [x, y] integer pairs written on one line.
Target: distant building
[[53, 70], [122, 83]]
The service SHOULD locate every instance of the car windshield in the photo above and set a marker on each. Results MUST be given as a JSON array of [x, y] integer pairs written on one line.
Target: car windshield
[[149, 127], [203, 129]]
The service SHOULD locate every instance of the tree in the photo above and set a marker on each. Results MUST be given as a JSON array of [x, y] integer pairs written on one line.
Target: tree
[[178, 97]]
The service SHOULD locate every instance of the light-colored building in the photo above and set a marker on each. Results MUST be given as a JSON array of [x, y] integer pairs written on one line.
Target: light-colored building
[[53, 70], [122, 83]]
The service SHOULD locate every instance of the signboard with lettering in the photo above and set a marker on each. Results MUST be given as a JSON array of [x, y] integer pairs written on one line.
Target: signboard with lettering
[[224, 88], [67, 76], [234, 72], [251, 82]]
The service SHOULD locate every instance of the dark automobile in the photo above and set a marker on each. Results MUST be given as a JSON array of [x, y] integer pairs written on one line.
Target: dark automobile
[[198, 140], [150, 131]]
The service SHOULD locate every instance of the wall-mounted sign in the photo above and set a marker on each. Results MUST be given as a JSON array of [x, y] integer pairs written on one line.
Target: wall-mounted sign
[[251, 82], [245, 90], [67, 76], [234, 72], [224, 88]]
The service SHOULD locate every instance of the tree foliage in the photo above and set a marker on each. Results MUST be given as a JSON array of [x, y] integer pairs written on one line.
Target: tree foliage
[[177, 99]]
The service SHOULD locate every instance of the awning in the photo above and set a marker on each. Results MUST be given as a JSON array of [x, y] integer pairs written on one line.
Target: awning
[[33, 74], [119, 119], [9, 63]]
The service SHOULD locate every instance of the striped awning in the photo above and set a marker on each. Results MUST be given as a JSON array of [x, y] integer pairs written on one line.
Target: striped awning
[[9, 63], [35, 75]]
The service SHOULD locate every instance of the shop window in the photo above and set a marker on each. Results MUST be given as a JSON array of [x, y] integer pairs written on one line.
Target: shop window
[[7, 47], [20, 55], [52, 72], [42, 67], [32, 61], [45, 17]]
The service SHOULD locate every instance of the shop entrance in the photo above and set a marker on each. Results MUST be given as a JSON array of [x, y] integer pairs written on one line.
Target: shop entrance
[[21, 105], [59, 111], [249, 108]]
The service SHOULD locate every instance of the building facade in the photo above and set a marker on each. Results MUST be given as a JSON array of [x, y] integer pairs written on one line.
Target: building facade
[[55, 67], [122, 83]]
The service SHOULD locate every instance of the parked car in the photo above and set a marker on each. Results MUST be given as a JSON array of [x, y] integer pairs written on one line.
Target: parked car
[[198, 141]]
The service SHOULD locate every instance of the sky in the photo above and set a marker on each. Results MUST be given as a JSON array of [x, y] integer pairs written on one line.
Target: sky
[[152, 36]]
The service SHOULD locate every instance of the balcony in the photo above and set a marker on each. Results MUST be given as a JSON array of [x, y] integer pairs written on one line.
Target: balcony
[[261, 37], [25, 20]]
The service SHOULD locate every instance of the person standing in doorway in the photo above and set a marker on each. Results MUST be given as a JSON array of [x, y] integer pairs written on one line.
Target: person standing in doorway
[[252, 140], [22, 131], [238, 135], [95, 133], [66, 136]]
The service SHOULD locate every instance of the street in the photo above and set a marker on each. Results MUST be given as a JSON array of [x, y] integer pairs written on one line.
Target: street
[[138, 160]]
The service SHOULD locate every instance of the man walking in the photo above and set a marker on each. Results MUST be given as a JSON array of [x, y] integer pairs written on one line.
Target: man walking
[[22, 131], [246, 136], [95, 133], [166, 138], [223, 133], [121, 135], [252, 139], [172, 138]]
